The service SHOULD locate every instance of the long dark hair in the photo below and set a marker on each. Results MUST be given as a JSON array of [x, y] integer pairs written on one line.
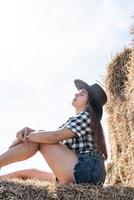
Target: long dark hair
[[97, 129]]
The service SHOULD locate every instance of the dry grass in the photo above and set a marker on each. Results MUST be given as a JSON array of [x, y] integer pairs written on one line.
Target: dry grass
[[39, 190], [119, 84]]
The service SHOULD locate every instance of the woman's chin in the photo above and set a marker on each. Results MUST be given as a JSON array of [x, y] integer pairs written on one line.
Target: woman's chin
[[73, 103]]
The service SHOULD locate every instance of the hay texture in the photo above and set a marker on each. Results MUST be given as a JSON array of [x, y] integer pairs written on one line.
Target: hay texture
[[119, 85], [39, 190]]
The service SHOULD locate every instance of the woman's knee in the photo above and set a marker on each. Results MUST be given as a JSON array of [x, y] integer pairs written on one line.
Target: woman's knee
[[34, 147]]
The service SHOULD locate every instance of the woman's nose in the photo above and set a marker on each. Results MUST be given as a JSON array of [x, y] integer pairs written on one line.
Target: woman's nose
[[76, 95]]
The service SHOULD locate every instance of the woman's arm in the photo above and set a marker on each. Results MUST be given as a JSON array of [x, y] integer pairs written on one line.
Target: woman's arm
[[50, 137]]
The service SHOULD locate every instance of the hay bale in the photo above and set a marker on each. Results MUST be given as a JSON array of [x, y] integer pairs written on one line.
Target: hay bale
[[29, 190], [130, 95], [119, 84], [40, 190]]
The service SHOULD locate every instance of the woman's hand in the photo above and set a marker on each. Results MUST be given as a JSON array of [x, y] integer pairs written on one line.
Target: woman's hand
[[20, 136], [31, 137], [23, 133]]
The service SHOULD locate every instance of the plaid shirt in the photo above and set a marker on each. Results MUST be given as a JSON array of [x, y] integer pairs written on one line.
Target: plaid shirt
[[83, 141]]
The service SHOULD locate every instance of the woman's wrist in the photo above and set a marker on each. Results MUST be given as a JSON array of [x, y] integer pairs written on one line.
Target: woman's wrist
[[32, 137]]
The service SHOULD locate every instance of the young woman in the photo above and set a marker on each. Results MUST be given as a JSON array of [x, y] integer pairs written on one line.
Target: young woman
[[75, 152]]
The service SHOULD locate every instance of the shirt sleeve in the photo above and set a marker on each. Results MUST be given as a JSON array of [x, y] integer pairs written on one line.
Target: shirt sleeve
[[64, 123], [79, 124]]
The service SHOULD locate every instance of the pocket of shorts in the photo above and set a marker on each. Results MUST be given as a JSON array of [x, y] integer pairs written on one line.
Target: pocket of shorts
[[83, 171], [99, 173]]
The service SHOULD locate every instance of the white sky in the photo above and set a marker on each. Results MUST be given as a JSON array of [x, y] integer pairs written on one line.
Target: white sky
[[44, 46]]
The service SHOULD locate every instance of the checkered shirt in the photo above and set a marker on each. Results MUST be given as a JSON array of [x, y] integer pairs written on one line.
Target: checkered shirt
[[83, 141]]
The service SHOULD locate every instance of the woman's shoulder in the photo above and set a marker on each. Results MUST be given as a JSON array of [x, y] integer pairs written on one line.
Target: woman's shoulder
[[83, 114]]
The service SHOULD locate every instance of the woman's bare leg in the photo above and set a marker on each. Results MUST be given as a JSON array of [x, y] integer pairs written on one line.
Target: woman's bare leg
[[61, 160], [31, 173], [17, 153]]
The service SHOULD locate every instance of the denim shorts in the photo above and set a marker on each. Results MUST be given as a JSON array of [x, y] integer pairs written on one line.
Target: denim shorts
[[90, 169]]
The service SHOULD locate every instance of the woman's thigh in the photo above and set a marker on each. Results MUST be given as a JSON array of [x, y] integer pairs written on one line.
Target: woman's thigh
[[61, 160]]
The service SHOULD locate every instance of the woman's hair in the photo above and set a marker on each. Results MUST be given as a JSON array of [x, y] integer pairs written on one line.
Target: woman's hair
[[97, 129]]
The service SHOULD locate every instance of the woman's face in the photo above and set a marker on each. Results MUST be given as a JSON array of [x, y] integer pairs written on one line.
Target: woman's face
[[81, 100]]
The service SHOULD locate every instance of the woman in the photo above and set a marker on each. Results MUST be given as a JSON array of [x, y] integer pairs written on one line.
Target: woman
[[75, 152]]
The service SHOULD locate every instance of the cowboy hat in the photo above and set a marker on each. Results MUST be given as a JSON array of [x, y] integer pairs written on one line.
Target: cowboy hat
[[96, 91]]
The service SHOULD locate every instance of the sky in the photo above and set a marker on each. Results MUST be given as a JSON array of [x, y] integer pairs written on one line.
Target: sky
[[44, 46]]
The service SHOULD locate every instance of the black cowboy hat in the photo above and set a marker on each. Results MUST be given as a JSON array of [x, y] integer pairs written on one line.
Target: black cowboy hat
[[98, 95]]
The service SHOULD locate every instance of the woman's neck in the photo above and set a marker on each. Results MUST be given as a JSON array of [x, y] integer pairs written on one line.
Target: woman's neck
[[77, 111]]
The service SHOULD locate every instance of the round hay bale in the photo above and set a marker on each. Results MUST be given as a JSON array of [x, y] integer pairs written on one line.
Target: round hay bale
[[119, 83]]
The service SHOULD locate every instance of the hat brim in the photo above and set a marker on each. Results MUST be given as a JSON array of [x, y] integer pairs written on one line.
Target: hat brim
[[83, 85]]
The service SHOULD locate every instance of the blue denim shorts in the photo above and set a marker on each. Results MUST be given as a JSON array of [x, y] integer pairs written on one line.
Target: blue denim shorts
[[90, 169]]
